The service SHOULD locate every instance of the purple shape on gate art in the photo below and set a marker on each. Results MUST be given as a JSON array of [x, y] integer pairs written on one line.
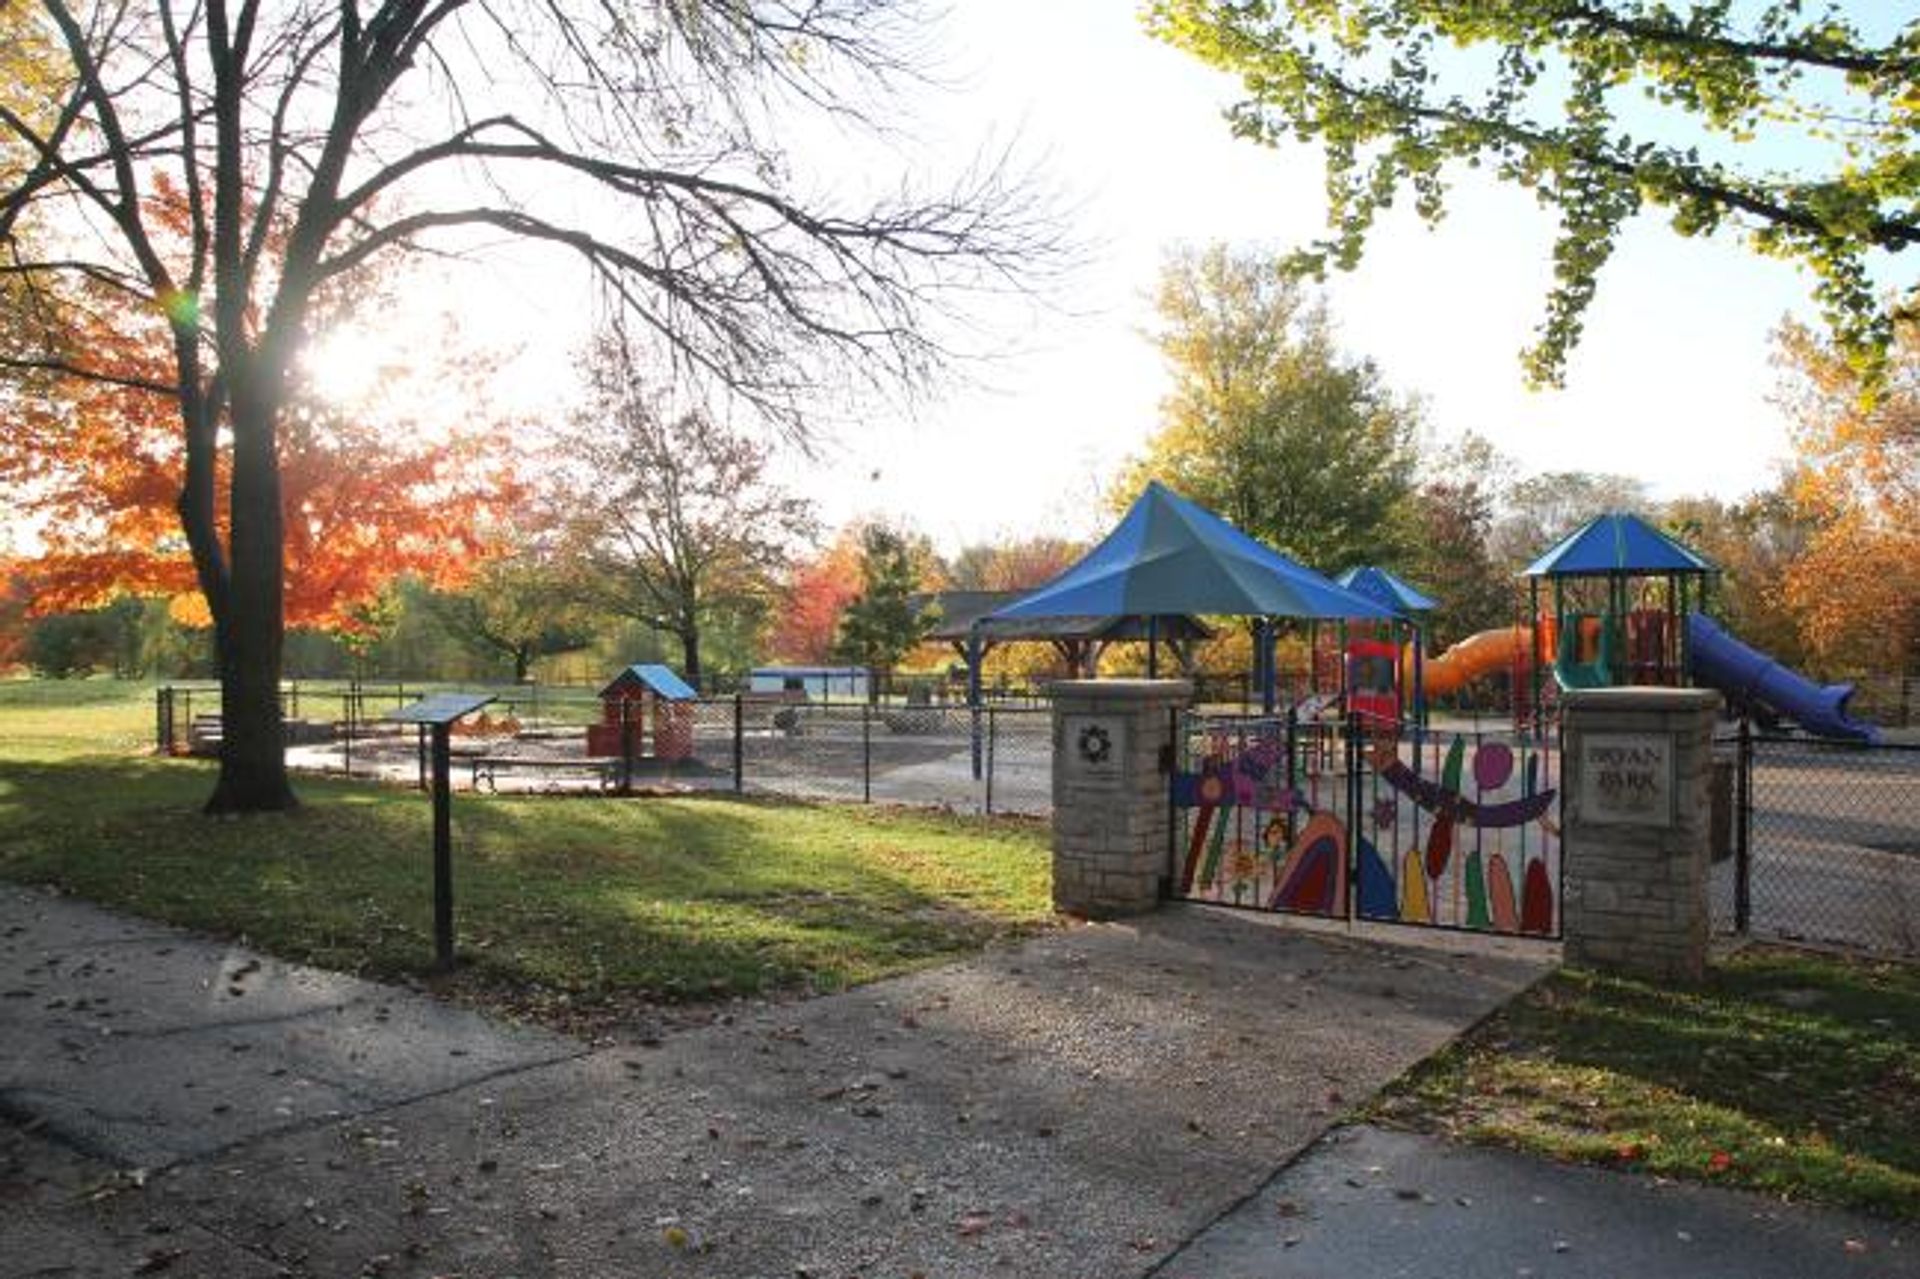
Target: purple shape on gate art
[[1492, 765]]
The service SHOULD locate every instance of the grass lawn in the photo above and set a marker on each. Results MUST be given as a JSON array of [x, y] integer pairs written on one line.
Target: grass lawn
[[44, 720], [574, 910], [1792, 1073]]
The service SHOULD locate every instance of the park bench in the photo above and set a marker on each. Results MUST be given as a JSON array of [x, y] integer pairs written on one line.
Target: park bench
[[485, 769]]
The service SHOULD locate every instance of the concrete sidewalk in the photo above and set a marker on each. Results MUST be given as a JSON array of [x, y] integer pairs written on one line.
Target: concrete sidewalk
[[1078, 1106], [1365, 1201]]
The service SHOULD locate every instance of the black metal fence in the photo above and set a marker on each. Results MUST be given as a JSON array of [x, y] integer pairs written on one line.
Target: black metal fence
[[997, 758], [1826, 843]]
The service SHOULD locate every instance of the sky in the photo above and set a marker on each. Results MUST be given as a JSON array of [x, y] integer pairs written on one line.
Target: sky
[[1670, 384]]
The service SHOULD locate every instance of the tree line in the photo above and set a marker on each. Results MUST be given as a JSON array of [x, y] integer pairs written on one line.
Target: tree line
[[657, 532], [190, 195]]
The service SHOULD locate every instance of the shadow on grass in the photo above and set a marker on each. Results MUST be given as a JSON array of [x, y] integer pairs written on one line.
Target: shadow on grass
[[579, 900]]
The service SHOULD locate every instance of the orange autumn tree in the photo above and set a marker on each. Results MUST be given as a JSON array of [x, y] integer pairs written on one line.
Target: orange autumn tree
[[369, 492], [817, 593], [1856, 587]]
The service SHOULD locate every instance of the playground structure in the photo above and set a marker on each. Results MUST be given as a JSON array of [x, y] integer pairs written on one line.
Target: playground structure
[[1748, 677], [641, 693], [1620, 588], [1627, 608]]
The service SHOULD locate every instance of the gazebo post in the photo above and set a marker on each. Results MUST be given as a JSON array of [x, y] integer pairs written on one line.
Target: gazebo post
[[973, 694], [1153, 646]]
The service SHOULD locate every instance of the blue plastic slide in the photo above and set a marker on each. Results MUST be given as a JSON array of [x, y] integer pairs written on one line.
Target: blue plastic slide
[[1746, 674]]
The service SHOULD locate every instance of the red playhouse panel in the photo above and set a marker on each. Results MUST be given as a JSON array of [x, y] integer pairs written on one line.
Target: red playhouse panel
[[1373, 680]]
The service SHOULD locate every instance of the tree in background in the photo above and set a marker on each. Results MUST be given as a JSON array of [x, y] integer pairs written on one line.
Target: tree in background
[[1017, 564], [1856, 587], [1554, 95], [880, 625], [818, 589], [1539, 510], [1449, 523], [1753, 542], [521, 603], [1268, 423], [293, 147], [678, 519]]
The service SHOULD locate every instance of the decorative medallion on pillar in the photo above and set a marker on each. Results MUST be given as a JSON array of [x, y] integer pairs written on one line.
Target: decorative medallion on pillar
[[1096, 745]]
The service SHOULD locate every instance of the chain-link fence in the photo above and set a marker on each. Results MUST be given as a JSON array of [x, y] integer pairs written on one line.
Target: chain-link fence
[[991, 759], [1826, 844]]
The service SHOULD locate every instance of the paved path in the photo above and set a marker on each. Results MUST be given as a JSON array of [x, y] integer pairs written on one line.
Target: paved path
[[1078, 1106], [1370, 1202]]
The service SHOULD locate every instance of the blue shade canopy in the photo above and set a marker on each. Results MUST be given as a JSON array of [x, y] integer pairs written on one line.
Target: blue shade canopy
[[658, 679], [1616, 543], [1168, 555], [1378, 584]]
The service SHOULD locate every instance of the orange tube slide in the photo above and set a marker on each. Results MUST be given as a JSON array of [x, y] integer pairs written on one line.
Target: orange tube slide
[[1478, 656]]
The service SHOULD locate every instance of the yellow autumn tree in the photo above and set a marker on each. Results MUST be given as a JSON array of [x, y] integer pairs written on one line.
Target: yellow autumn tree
[[1855, 590]]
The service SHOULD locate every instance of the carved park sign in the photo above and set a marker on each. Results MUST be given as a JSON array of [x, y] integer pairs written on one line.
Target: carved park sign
[[1626, 779]]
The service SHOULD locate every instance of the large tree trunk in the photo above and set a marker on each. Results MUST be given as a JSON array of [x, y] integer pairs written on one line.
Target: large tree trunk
[[690, 655], [251, 632]]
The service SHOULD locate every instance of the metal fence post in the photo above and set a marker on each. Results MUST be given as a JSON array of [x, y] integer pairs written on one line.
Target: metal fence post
[[1352, 853], [866, 752], [163, 720], [1176, 762], [1293, 767], [993, 734], [1743, 830], [739, 745]]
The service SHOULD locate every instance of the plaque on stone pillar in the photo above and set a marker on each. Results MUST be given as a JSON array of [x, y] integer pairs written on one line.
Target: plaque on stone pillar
[[1095, 746], [1626, 779]]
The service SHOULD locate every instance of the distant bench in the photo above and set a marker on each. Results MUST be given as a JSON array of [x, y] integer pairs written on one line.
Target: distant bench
[[486, 768]]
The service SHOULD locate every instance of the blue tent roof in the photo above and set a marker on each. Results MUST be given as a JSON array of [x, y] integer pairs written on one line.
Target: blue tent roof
[[1378, 584], [1168, 555], [1617, 542], [662, 680]]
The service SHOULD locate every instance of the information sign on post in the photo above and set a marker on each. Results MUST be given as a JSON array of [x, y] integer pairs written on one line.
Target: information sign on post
[[437, 714]]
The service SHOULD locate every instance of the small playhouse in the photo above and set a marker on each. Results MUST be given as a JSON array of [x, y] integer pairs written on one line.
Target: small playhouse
[[646, 711]]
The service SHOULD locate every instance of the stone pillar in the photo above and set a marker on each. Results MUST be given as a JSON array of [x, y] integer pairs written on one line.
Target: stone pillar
[[1113, 743], [1637, 819]]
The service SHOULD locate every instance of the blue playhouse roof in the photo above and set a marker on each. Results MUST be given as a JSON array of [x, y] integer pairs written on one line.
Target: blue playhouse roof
[[1617, 542], [1379, 584], [661, 680], [1168, 555]]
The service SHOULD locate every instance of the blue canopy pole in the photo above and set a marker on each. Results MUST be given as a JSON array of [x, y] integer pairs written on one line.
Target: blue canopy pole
[[1419, 675], [973, 693], [1265, 663], [1153, 646]]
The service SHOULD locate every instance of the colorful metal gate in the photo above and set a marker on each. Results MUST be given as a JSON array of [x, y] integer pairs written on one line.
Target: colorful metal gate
[[1434, 828]]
